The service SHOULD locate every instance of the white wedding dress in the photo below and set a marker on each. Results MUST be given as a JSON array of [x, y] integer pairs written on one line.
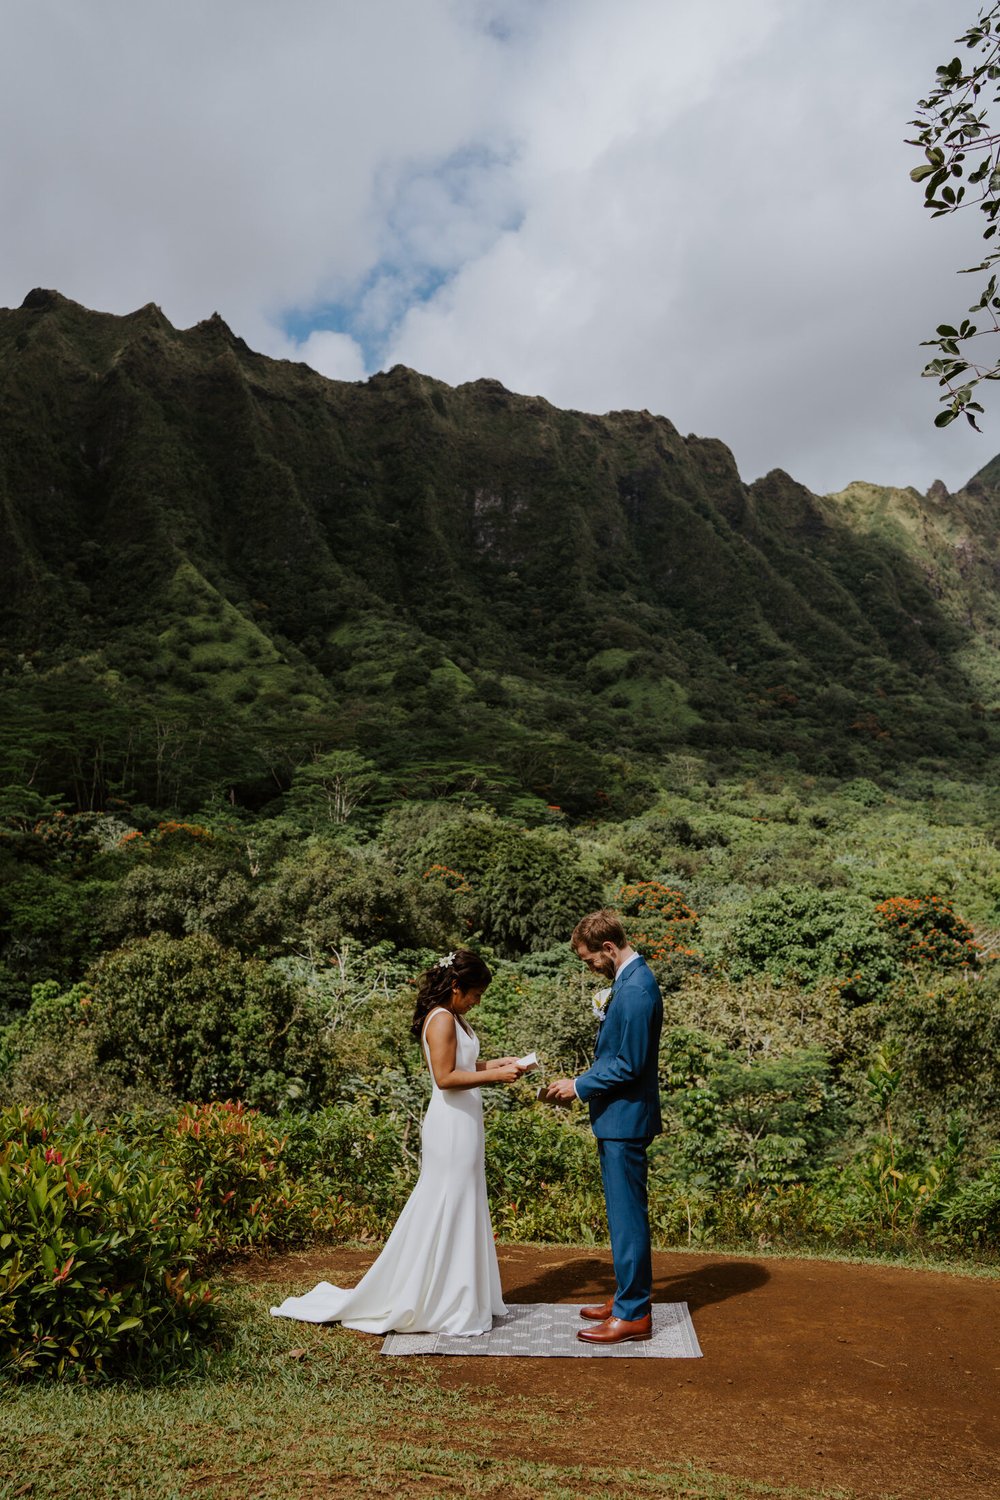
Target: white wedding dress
[[438, 1270]]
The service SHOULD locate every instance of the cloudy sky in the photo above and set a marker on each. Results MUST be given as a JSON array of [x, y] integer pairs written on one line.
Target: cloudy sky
[[702, 209]]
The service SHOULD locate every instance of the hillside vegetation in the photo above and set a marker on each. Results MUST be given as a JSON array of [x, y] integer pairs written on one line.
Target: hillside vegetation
[[477, 591]]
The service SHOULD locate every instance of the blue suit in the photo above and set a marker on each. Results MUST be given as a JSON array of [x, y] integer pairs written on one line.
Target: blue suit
[[622, 1090]]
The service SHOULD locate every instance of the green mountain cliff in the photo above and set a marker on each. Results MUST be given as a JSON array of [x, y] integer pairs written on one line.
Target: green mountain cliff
[[215, 566]]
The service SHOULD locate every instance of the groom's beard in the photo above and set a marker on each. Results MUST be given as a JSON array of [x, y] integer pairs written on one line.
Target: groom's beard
[[606, 966]]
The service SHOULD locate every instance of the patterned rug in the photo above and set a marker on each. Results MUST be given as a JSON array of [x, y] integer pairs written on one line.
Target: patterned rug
[[548, 1330]]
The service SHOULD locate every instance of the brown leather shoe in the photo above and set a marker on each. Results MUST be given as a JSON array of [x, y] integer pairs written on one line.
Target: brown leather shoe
[[599, 1314], [618, 1330]]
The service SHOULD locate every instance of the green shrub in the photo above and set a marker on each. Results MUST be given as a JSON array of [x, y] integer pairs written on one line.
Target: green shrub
[[361, 1159], [97, 1256], [862, 792], [179, 897], [971, 1217], [869, 1205], [804, 934], [731, 1122], [194, 1020], [106, 1234], [322, 895], [243, 1191], [543, 1176], [50, 1053], [940, 1038], [759, 1016], [47, 923], [171, 1019], [519, 889], [548, 1013]]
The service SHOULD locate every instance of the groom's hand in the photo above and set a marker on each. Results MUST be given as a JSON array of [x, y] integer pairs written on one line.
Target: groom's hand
[[560, 1091]]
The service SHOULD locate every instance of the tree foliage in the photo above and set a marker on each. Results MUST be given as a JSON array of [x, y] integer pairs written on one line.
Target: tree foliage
[[962, 149], [182, 1018]]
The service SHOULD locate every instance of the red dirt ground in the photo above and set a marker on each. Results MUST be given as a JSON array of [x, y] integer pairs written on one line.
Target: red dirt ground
[[883, 1381]]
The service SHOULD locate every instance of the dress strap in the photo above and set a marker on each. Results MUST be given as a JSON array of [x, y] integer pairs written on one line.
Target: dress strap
[[423, 1029], [423, 1037], [433, 1011]]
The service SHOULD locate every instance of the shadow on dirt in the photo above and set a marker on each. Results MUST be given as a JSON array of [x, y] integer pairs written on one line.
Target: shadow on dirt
[[586, 1277]]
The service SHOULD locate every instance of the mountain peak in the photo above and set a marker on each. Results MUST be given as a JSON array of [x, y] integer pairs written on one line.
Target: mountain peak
[[43, 299], [215, 324]]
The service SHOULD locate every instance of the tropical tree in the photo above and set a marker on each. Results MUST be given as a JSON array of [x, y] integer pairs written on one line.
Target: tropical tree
[[962, 150], [331, 788]]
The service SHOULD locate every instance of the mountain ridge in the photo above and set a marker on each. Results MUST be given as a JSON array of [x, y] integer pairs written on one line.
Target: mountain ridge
[[602, 585]]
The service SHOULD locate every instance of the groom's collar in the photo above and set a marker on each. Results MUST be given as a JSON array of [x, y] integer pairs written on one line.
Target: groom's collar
[[627, 965]]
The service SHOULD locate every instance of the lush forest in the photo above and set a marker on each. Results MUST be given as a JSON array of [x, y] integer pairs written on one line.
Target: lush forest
[[302, 684]]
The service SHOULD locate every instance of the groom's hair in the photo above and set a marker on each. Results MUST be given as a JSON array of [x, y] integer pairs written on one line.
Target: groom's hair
[[604, 926]]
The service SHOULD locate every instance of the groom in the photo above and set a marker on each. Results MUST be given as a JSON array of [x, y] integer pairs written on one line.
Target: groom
[[622, 1091]]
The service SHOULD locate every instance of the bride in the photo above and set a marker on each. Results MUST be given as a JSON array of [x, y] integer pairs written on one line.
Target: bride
[[438, 1270]]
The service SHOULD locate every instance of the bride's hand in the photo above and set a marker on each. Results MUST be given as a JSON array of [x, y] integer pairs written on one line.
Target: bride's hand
[[507, 1071], [501, 1062]]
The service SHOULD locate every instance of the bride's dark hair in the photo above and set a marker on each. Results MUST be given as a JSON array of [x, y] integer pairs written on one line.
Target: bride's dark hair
[[463, 967]]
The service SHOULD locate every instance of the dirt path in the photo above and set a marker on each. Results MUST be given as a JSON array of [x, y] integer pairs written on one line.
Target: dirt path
[[815, 1373]]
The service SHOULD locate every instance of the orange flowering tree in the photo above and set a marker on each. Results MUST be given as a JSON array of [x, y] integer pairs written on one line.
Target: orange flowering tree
[[929, 931], [453, 879], [659, 922]]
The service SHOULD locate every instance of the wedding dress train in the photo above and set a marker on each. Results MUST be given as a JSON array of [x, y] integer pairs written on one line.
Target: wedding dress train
[[437, 1272]]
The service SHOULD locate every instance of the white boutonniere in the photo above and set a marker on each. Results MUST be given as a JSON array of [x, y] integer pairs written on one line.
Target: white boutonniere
[[599, 1001]]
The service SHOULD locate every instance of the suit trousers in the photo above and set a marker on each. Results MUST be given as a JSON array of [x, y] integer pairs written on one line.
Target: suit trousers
[[624, 1173]]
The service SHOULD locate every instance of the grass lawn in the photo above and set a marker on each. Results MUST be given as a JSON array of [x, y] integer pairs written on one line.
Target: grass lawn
[[287, 1411]]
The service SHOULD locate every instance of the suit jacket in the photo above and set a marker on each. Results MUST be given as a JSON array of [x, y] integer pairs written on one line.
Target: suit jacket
[[622, 1087]]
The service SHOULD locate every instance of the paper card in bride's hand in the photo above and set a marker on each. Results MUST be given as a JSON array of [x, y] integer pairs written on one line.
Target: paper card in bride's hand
[[529, 1060]]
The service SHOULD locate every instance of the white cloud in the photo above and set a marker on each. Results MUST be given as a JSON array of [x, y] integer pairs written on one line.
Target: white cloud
[[233, 156], [703, 211], [721, 228], [335, 355]]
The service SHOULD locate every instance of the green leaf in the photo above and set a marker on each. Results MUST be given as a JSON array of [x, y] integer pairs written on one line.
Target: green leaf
[[919, 173], [127, 1323], [944, 417], [946, 331]]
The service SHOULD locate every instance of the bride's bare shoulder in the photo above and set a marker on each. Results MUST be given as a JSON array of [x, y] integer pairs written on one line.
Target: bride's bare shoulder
[[439, 1022]]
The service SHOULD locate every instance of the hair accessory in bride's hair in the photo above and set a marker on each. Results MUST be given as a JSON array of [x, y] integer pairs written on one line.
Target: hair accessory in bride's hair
[[446, 962]]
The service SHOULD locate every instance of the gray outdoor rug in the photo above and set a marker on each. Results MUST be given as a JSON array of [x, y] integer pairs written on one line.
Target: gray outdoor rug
[[548, 1330]]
